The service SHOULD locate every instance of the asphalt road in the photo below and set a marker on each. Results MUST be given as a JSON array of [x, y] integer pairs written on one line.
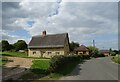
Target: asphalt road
[[95, 69]]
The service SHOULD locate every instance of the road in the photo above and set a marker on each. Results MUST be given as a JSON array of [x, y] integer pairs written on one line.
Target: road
[[95, 69]]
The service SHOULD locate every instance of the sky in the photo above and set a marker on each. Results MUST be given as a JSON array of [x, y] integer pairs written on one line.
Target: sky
[[83, 20]]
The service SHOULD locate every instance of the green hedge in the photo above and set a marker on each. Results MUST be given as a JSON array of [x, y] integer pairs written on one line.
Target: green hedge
[[116, 59], [59, 62]]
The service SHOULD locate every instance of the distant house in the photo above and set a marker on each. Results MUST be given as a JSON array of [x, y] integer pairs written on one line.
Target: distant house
[[105, 52], [82, 50], [49, 45]]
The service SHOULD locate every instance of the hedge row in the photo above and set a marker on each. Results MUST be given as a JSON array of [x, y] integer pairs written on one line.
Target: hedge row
[[116, 59], [58, 62]]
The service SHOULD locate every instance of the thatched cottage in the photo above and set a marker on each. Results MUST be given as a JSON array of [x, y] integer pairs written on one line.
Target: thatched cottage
[[105, 52], [49, 45], [82, 50]]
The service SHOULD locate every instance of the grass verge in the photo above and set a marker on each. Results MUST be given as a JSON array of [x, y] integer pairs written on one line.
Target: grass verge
[[3, 61], [14, 54], [116, 59], [19, 54], [40, 66]]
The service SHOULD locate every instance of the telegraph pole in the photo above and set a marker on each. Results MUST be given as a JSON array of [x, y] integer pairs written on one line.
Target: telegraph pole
[[93, 43]]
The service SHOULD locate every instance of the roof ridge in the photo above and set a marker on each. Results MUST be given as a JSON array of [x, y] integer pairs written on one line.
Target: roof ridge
[[49, 34]]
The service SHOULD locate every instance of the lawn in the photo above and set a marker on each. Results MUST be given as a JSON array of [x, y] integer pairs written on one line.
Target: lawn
[[15, 54], [19, 54], [40, 66], [116, 59], [38, 69]]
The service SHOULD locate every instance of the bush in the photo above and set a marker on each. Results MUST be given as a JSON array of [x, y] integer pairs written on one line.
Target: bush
[[113, 53], [85, 56], [101, 55], [59, 62], [116, 59]]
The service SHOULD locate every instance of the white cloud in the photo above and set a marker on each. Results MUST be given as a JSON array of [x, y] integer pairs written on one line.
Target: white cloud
[[81, 20]]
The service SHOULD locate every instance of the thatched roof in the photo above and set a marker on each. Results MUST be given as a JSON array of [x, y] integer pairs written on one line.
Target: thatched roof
[[104, 51], [82, 48], [48, 41]]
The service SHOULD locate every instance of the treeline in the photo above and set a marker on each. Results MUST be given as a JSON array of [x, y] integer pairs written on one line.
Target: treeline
[[19, 45]]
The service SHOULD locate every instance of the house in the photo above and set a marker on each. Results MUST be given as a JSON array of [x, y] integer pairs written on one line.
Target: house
[[82, 50], [105, 52], [49, 45]]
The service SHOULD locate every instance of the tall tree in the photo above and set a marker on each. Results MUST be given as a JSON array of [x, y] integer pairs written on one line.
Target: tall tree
[[94, 52], [5, 45], [73, 45], [20, 45]]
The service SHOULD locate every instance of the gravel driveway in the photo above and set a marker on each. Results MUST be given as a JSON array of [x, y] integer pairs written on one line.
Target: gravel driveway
[[21, 62], [16, 68]]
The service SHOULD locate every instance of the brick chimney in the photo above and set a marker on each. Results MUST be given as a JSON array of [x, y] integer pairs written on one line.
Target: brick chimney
[[44, 33]]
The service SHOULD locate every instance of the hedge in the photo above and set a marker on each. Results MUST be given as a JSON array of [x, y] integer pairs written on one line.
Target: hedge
[[59, 62]]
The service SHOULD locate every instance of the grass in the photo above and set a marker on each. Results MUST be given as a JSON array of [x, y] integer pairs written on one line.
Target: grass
[[39, 70], [116, 59], [63, 72], [14, 54], [3, 61], [40, 66], [19, 54]]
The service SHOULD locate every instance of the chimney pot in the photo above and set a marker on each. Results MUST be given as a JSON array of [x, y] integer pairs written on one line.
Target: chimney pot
[[44, 33]]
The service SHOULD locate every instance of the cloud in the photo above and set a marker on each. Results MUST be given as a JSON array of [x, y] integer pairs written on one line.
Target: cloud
[[84, 21], [13, 38]]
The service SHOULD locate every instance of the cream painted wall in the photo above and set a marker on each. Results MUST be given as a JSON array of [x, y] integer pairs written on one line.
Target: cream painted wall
[[44, 52], [79, 53]]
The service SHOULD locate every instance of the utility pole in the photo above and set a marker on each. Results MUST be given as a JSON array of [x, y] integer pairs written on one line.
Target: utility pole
[[93, 43]]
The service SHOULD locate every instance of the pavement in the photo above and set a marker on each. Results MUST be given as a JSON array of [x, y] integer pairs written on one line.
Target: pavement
[[94, 69]]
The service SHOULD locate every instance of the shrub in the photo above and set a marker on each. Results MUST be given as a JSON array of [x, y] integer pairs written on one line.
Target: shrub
[[59, 62], [85, 56], [116, 59], [113, 53]]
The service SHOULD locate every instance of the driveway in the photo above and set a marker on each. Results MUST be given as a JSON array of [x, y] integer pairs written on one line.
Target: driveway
[[95, 69], [16, 67]]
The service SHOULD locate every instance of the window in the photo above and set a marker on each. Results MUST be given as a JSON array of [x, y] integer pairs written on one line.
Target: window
[[49, 53], [34, 52], [57, 53]]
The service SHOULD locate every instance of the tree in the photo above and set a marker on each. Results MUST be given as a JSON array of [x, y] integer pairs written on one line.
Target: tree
[[20, 45], [113, 52], [94, 52], [110, 50], [5, 45], [73, 45], [11, 47], [116, 51]]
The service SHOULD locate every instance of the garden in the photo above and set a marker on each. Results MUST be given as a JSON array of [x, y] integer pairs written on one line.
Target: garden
[[54, 68]]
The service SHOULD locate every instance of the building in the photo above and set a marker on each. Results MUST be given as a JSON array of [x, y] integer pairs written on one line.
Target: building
[[49, 45], [82, 50], [105, 52]]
